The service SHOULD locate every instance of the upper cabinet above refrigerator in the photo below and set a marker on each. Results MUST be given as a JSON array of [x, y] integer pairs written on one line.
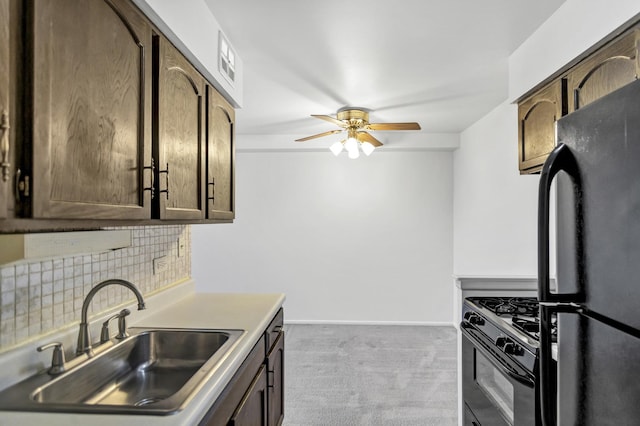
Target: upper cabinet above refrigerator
[[610, 68], [603, 69], [537, 117]]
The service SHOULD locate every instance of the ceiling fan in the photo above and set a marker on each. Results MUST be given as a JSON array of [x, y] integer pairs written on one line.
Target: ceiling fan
[[356, 122]]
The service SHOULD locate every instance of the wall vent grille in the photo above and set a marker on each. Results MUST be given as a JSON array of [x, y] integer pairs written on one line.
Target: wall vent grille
[[226, 59]]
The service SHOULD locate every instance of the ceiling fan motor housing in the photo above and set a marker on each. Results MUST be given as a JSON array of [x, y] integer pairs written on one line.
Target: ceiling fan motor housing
[[354, 117]]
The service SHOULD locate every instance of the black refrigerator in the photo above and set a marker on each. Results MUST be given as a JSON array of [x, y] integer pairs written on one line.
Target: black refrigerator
[[596, 170]]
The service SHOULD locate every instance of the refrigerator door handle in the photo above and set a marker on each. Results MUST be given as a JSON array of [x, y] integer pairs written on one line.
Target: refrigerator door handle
[[548, 391], [560, 159], [547, 387]]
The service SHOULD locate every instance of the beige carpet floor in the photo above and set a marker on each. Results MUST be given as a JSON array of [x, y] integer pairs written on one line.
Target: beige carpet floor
[[363, 375]]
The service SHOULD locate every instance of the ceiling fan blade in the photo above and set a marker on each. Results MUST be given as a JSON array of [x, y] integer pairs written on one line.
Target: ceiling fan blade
[[393, 126], [366, 137], [319, 135], [330, 120]]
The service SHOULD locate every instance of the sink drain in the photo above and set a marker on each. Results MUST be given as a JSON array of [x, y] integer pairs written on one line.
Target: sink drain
[[147, 401]]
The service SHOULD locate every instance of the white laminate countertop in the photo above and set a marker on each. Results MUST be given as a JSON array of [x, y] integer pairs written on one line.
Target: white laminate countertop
[[249, 312]]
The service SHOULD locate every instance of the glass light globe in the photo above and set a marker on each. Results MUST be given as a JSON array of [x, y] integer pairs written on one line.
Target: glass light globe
[[367, 148], [354, 153], [351, 145], [336, 148]]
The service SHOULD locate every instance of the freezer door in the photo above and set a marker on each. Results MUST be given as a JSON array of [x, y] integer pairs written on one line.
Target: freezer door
[[597, 374], [598, 219]]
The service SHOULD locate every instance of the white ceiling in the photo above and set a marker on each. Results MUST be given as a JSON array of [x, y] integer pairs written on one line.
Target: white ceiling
[[442, 63]]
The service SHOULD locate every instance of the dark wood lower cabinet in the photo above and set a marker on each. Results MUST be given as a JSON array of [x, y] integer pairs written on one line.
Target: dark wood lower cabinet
[[275, 381], [469, 418], [255, 394], [252, 410]]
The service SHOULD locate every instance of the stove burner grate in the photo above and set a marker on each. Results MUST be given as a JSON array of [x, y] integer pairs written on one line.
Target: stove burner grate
[[525, 306], [531, 327]]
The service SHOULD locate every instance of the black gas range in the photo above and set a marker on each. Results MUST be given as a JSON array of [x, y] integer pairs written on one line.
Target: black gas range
[[500, 360]]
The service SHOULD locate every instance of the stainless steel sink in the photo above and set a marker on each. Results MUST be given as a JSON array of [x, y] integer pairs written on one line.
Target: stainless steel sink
[[154, 371]]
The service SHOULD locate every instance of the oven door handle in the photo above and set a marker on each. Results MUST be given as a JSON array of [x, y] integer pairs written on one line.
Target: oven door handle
[[485, 346]]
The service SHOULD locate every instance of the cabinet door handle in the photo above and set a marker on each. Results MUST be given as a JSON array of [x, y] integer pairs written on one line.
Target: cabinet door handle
[[166, 180], [152, 168], [271, 378], [4, 146], [212, 184]]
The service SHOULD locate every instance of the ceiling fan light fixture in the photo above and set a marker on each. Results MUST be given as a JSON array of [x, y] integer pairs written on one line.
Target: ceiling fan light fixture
[[354, 153], [367, 148], [356, 122], [351, 144], [337, 148]]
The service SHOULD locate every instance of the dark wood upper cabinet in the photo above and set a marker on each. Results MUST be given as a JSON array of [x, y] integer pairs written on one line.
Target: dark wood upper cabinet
[[6, 144], [606, 67], [610, 68], [103, 122], [537, 116], [90, 110], [178, 134], [220, 153]]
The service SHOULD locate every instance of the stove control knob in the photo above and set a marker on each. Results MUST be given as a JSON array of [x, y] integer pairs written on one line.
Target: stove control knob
[[473, 318], [513, 349], [508, 346], [502, 341]]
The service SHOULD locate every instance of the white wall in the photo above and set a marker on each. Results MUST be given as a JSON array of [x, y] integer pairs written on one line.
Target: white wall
[[289, 237], [494, 207], [368, 240]]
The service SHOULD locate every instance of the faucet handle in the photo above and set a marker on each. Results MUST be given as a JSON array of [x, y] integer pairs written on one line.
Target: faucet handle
[[104, 332], [122, 324], [57, 359], [122, 333]]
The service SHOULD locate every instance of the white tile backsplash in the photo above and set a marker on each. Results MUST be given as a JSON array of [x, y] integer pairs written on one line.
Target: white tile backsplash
[[39, 297]]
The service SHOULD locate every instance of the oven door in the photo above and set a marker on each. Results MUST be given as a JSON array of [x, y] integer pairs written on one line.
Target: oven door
[[496, 390]]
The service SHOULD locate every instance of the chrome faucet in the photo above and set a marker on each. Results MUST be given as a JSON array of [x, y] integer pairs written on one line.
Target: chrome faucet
[[84, 341]]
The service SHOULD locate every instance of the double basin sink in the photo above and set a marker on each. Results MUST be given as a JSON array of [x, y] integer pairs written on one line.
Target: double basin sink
[[153, 371]]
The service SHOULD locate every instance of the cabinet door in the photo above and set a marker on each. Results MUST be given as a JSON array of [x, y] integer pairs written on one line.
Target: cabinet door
[[252, 410], [178, 132], [610, 68], [275, 382], [91, 96], [537, 117], [220, 157], [5, 145]]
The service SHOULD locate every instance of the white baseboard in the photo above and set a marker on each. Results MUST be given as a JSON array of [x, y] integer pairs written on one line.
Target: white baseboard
[[340, 322]]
